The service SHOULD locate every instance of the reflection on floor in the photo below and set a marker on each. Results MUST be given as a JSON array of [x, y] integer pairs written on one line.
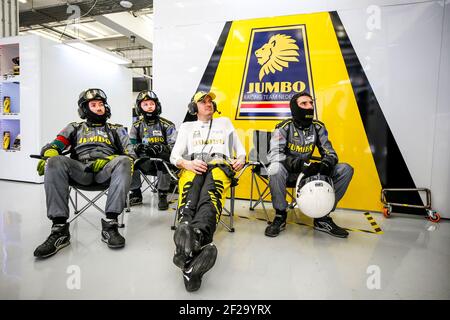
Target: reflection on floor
[[408, 259]]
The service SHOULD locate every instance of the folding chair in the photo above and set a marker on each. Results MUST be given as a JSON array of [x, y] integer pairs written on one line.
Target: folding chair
[[101, 189], [259, 164], [77, 189], [230, 213], [152, 181]]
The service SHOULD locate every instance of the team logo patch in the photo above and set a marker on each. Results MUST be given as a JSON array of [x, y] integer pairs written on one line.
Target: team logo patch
[[309, 139], [277, 67], [102, 133]]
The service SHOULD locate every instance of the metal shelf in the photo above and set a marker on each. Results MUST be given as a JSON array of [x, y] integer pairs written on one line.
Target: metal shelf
[[12, 116]]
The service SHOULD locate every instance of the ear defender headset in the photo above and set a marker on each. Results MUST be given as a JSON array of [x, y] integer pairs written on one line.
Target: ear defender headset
[[192, 106], [92, 94], [147, 95]]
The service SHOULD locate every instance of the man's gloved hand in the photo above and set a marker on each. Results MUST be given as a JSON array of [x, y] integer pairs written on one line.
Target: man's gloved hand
[[325, 168], [155, 150], [165, 152], [149, 150], [293, 164], [140, 148], [311, 169], [41, 164], [98, 164]]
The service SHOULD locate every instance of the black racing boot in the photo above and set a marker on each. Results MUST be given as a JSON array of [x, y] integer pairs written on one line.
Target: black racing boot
[[111, 235], [58, 239], [135, 197], [198, 266], [278, 224], [326, 224], [162, 203], [187, 243]]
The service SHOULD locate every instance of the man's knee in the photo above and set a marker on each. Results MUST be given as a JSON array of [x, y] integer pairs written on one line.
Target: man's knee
[[276, 170], [124, 160], [346, 170], [56, 163], [124, 163], [343, 174]]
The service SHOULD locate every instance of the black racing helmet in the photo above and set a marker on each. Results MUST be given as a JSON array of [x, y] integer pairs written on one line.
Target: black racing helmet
[[89, 95], [148, 95]]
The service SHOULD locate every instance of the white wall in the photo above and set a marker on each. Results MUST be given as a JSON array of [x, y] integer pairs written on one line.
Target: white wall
[[440, 177], [52, 76], [66, 72], [403, 60]]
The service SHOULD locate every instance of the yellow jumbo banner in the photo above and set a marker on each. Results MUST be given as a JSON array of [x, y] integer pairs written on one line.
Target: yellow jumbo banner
[[264, 61]]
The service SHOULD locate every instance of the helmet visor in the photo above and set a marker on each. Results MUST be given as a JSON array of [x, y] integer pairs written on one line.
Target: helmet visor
[[92, 94], [146, 95]]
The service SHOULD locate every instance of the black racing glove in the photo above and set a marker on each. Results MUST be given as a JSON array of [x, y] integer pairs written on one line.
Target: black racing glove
[[141, 149], [154, 150], [311, 169], [159, 150], [293, 164], [326, 168], [162, 151], [148, 150]]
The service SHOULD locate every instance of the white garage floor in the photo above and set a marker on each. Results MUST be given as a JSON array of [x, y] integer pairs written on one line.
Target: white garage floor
[[411, 257]]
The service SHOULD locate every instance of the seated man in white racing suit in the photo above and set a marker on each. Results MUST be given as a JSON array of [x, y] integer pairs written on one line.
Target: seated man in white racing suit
[[203, 151]]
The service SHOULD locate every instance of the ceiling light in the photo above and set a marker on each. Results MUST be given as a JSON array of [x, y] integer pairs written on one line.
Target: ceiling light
[[97, 51], [70, 31], [126, 4], [91, 31], [104, 31], [45, 34]]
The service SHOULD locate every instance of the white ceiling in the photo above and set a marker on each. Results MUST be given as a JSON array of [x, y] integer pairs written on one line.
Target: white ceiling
[[86, 31], [89, 29]]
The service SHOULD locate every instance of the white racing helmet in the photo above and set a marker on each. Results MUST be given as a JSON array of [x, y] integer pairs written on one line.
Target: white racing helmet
[[315, 195]]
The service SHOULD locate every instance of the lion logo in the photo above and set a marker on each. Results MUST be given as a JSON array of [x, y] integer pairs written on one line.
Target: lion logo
[[276, 54]]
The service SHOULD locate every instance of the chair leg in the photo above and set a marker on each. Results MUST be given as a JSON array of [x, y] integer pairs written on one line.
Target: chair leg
[[230, 212], [252, 207], [128, 207], [174, 225], [233, 192], [90, 202], [251, 189], [154, 184], [262, 196], [72, 202], [146, 179], [293, 202], [261, 199], [76, 201], [121, 218], [229, 227]]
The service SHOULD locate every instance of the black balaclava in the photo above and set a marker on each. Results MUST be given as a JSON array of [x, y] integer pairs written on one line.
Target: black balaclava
[[302, 117], [94, 118]]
